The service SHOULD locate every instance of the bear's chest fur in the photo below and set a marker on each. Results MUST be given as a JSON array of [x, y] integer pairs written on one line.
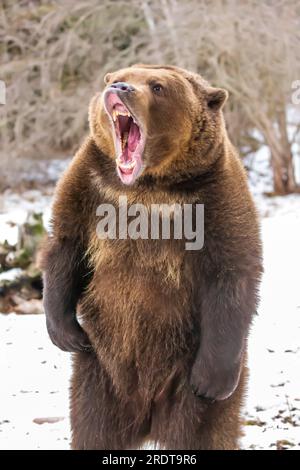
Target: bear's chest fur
[[139, 306]]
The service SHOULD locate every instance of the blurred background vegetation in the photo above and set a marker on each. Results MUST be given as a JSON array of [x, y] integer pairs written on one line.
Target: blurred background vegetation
[[54, 54]]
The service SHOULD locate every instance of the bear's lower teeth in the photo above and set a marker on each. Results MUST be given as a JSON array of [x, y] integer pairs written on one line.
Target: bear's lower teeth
[[125, 164]]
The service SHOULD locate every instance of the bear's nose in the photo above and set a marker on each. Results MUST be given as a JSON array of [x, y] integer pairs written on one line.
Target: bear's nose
[[123, 86]]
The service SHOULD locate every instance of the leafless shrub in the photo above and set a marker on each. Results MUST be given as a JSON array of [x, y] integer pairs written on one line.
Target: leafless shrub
[[54, 54], [252, 48], [53, 57]]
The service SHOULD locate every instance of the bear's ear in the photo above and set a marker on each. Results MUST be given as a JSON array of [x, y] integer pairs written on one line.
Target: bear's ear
[[107, 77], [216, 98]]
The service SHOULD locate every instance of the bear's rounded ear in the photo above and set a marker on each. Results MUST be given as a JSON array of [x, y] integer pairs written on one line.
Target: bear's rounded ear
[[216, 98], [107, 77]]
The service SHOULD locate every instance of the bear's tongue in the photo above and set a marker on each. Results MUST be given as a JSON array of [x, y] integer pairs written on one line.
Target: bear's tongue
[[133, 137], [130, 136]]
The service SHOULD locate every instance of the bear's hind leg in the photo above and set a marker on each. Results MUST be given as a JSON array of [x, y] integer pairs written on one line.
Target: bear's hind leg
[[99, 420]]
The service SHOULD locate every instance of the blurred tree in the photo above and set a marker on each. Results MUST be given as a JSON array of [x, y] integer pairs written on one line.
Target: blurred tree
[[252, 48], [53, 55]]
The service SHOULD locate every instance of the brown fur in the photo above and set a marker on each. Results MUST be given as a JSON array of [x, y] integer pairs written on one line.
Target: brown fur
[[164, 329]]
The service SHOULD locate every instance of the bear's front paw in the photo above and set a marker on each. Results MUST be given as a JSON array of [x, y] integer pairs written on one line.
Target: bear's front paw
[[68, 335], [212, 382]]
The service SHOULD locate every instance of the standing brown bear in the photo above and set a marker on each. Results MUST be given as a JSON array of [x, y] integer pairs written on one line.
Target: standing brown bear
[[160, 350]]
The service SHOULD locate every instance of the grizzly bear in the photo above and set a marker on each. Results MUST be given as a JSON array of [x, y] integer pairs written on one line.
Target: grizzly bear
[[159, 332]]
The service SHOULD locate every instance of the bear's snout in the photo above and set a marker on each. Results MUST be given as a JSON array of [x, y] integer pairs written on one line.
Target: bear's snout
[[123, 86]]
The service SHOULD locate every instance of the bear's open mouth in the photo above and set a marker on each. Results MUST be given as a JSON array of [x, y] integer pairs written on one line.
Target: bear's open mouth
[[128, 138]]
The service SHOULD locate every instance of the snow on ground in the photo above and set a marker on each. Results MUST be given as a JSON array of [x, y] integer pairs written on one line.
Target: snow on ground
[[35, 379], [14, 207], [274, 348], [35, 374]]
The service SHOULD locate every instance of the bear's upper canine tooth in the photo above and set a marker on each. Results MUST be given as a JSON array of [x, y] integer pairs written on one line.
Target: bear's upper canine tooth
[[114, 115], [122, 113]]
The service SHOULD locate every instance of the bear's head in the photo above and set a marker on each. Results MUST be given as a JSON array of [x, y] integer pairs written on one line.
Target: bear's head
[[157, 119]]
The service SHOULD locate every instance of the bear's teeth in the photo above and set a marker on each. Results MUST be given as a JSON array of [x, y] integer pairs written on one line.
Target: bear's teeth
[[127, 165], [116, 113], [123, 113]]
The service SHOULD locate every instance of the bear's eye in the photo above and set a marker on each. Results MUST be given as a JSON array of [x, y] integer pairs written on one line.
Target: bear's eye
[[157, 88]]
